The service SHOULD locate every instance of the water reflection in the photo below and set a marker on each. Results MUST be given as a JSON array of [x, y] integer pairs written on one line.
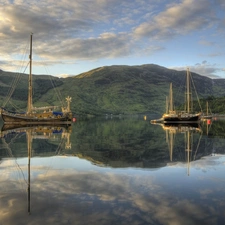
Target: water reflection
[[132, 143], [116, 172], [190, 147], [13, 131]]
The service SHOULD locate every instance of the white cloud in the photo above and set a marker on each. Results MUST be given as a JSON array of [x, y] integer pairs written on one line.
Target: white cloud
[[104, 29], [187, 16], [63, 75], [203, 68]]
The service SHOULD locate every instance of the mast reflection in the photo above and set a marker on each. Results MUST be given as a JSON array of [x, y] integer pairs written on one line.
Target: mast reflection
[[188, 130], [36, 132]]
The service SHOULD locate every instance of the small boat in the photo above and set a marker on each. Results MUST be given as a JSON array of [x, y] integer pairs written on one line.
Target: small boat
[[34, 115], [182, 116]]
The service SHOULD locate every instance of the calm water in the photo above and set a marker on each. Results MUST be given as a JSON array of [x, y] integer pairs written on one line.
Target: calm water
[[113, 171]]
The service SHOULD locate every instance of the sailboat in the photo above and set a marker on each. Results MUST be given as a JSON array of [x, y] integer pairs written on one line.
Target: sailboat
[[182, 116], [34, 115]]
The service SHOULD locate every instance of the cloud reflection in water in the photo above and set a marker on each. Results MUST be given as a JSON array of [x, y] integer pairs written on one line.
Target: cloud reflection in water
[[77, 192]]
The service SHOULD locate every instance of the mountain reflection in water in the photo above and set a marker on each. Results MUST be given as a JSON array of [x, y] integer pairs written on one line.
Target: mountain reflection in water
[[116, 171]]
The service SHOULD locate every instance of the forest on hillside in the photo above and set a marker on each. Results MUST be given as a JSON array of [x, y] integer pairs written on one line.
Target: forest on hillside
[[113, 90]]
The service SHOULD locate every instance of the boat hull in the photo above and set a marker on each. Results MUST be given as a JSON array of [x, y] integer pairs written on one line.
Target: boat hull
[[22, 119], [182, 119]]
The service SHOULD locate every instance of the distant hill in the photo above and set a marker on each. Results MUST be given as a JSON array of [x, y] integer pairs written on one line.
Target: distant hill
[[112, 89], [42, 85]]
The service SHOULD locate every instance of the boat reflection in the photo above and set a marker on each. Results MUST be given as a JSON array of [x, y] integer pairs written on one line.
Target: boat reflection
[[188, 131], [10, 131]]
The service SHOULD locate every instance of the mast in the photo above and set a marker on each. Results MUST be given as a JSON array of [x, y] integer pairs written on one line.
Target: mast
[[29, 103], [171, 98], [188, 91]]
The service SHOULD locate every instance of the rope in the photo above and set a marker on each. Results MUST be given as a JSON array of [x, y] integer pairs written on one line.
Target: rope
[[13, 86], [179, 91], [58, 93], [16, 79], [11, 90], [196, 93], [14, 106]]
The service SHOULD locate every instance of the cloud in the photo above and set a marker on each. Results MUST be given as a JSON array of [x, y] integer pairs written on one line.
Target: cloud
[[107, 45], [13, 65], [64, 30], [206, 43], [63, 75], [203, 68], [102, 29], [17, 21], [181, 18]]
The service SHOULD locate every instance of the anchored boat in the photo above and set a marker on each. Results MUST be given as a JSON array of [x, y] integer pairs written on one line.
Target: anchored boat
[[40, 115], [182, 116]]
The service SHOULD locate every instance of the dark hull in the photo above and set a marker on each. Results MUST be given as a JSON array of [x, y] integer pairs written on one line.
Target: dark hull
[[22, 119], [186, 119]]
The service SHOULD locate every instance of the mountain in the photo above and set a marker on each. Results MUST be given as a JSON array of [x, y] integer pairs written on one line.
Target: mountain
[[17, 83], [111, 89]]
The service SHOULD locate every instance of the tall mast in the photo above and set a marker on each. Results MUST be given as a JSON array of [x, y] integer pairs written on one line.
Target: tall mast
[[29, 103], [171, 97], [188, 91]]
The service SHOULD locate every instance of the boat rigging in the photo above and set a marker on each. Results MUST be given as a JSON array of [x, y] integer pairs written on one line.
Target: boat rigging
[[33, 114]]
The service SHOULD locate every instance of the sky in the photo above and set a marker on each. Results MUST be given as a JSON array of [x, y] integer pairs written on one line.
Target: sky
[[72, 37]]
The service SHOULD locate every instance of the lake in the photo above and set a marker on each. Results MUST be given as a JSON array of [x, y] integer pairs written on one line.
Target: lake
[[113, 170]]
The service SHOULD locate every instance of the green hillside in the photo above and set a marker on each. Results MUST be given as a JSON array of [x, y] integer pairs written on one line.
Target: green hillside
[[41, 86], [111, 89]]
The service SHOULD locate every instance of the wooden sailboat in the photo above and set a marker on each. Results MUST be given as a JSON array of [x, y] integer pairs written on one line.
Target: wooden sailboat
[[182, 116], [33, 115]]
